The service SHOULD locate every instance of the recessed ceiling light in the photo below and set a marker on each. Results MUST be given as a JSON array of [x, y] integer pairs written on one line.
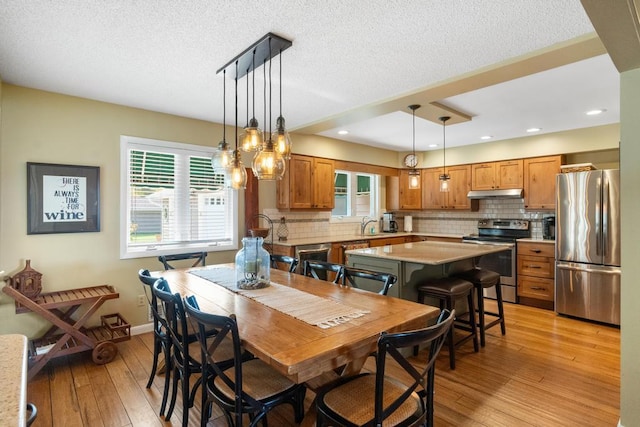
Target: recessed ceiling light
[[486, 137], [432, 145], [343, 132], [530, 130], [595, 112]]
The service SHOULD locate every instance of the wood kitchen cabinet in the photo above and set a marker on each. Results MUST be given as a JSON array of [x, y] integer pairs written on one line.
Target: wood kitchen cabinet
[[497, 175], [536, 272], [459, 187], [409, 198], [307, 184], [540, 181]]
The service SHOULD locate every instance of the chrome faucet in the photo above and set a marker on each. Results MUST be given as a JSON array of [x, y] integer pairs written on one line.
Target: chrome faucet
[[363, 225]]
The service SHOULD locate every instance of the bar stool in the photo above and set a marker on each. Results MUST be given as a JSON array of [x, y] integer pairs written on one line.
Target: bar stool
[[485, 279], [447, 290]]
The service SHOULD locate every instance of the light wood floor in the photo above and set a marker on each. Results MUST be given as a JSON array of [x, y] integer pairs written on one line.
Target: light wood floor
[[547, 371]]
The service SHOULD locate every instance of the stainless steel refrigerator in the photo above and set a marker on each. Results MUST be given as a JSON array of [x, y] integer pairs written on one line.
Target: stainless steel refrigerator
[[588, 245]]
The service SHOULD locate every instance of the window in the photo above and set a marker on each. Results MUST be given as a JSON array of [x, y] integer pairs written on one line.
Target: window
[[172, 201], [355, 194]]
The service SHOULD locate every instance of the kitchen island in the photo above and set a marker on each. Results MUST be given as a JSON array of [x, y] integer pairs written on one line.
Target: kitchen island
[[413, 263]]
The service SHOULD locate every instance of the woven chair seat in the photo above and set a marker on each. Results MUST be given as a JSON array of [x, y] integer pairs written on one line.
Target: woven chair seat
[[258, 380], [354, 401]]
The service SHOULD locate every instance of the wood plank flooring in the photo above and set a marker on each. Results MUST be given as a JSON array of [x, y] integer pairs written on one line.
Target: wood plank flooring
[[547, 371]]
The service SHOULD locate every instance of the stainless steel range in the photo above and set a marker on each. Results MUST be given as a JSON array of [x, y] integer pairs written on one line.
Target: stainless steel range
[[501, 232]]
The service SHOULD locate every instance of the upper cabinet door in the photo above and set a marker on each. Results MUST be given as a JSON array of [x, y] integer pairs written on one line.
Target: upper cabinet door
[[509, 174], [483, 176], [432, 198], [540, 182], [323, 184], [459, 187], [410, 198]]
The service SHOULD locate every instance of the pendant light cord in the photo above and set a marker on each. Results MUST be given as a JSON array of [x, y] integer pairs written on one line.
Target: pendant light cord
[[247, 98], [253, 84], [224, 105], [280, 56], [269, 89], [444, 147], [414, 133], [236, 105]]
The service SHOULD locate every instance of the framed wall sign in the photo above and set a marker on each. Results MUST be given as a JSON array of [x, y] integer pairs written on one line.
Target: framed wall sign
[[62, 198]]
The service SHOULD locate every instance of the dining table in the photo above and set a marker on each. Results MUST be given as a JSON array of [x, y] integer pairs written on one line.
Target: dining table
[[283, 324]]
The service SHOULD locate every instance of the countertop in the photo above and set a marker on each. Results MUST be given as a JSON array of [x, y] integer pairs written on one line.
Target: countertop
[[430, 253], [357, 237], [13, 377], [547, 242]]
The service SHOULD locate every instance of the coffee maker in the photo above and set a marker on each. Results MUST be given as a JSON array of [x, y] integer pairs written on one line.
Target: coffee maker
[[389, 224], [549, 228]]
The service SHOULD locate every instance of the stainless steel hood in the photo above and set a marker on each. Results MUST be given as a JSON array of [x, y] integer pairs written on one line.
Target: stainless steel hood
[[513, 193]]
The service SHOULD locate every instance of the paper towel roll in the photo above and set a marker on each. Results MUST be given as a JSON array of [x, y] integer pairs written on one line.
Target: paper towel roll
[[408, 224]]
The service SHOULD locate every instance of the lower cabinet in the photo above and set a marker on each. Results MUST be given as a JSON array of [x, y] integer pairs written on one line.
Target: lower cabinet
[[536, 271], [383, 266]]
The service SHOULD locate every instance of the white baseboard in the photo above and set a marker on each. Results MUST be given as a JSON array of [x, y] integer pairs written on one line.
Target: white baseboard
[[142, 329]]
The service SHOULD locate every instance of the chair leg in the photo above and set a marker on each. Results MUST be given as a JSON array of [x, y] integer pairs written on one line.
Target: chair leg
[[167, 377], [481, 319], [174, 392], [472, 321], [452, 338], [503, 326], [157, 349]]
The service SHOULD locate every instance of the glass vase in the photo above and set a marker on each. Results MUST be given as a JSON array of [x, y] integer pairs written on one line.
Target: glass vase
[[253, 267]]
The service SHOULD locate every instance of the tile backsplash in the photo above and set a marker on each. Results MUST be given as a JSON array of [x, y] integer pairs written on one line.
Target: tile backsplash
[[318, 224]]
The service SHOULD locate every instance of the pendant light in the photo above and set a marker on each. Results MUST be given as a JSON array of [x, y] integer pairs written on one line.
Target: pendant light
[[222, 156], [444, 177], [252, 138], [281, 138], [268, 164], [414, 174], [238, 175]]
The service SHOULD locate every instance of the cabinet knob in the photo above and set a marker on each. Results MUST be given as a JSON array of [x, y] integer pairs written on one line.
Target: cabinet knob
[[536, 251]]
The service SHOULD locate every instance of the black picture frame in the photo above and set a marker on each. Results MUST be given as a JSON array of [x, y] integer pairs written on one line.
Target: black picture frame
[[62, 198]]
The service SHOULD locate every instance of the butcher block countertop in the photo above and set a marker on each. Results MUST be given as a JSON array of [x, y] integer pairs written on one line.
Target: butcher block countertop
[[429, 253]]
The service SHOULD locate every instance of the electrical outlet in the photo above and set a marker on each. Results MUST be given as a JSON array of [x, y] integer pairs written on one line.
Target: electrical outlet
[[141, 300]]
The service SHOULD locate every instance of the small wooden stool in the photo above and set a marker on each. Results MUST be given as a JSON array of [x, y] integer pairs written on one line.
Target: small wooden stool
[[484, 279], [447, 290]]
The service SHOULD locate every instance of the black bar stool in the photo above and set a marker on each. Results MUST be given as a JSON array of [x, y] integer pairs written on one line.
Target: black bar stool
[[447, 290], [485, 279]]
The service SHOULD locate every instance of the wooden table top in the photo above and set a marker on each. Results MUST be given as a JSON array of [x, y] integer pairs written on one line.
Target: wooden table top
[[295, 348]]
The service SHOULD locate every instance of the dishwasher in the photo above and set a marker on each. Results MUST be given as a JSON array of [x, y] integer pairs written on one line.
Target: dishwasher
[[317, 252]]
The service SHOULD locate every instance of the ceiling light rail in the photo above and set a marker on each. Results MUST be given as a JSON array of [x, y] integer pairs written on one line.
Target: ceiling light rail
[[266, 48]]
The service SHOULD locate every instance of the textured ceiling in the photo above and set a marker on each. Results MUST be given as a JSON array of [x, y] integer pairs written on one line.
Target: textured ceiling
[[346, 55]]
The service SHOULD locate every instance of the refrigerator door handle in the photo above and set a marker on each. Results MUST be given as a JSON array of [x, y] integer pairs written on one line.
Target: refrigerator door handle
[[598, 217], [605, 219], [587, 270]]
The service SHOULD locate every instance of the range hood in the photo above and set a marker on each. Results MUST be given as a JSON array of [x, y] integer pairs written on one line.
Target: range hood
[[513, 193]]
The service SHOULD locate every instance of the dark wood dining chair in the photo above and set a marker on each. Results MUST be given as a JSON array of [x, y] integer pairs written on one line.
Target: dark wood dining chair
[[354, 277], [248, 386], [284, 259], [161, 340], [198, 257], [320, 270], [375, 399], [32, 413], [184, 364]]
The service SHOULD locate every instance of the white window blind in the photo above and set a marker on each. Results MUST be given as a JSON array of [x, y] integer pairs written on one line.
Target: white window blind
[[173, 201]]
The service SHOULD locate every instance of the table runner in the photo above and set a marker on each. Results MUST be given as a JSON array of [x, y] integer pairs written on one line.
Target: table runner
[[301, 305]]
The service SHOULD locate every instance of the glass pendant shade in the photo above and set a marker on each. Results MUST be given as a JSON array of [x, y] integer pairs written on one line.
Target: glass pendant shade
[[444, 183], [238, 175], [251, 139], [221, 159], [282, 140], [268, 164], [414, 179]]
